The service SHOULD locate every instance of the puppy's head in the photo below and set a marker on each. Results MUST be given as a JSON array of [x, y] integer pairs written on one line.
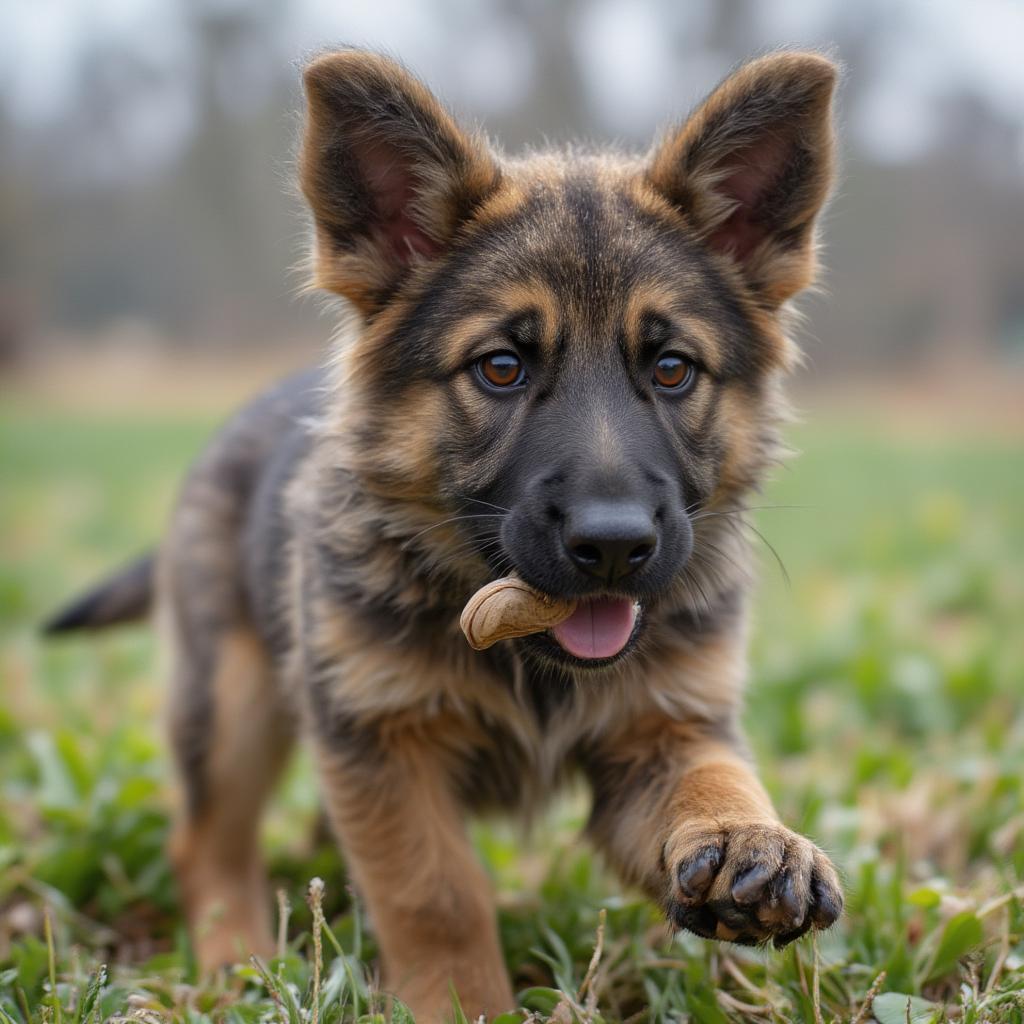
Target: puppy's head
[[575, 353]]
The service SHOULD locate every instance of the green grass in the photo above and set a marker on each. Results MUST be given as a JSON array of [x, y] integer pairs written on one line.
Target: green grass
[[885, 709]]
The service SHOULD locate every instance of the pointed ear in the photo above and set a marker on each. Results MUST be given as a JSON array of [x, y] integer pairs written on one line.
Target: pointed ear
[[753, 166], [388, 174]]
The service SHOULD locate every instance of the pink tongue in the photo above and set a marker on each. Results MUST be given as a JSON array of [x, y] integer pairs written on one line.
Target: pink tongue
[[598, 628]]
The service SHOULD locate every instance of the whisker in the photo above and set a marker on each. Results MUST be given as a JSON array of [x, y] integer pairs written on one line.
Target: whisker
[[713, 573], [446, 522], [692, 583], [445, 561], [463, 547], [767, 543], [480, 501], [742, 509], [775, 554], [721, 552]]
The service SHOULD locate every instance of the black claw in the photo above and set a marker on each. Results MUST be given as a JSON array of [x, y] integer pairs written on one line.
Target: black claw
[[827, 904], [699, 920], [780, 941], [697, 873], [739, 919], [749, 885], [788, 899]]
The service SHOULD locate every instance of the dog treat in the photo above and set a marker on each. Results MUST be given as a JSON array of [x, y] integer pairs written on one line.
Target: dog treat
[[508, 608]]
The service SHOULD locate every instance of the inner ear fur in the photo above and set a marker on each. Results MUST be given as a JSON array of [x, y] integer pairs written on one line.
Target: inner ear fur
[[753, 166], [388, 174]]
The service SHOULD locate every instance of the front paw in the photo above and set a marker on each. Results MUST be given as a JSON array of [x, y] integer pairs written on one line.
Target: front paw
[[749, 882]]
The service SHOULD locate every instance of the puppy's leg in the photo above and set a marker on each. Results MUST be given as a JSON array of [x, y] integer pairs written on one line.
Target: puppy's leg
[[680, 812], [428, 897], [231, 737]]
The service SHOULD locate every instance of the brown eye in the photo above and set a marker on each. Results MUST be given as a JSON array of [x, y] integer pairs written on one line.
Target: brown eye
[[502, 370], [673, 372]]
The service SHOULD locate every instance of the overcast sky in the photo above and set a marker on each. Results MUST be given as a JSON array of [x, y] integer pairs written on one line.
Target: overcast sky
[[640, 59]]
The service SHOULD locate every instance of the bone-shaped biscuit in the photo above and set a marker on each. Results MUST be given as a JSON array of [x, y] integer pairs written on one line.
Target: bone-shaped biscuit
[[509, 608]]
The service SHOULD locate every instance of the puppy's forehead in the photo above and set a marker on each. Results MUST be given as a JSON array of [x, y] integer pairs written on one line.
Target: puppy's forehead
[[585, 234], [588, 249], [589, 254]]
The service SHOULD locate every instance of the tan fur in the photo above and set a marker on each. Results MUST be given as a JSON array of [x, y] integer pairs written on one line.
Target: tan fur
[[216, 854], [431, 901]]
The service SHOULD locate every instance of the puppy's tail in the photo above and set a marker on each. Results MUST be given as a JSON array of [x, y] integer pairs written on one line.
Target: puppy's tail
[[126, 596]]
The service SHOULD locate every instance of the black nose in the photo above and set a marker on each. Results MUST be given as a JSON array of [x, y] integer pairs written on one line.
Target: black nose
[[609, 540]]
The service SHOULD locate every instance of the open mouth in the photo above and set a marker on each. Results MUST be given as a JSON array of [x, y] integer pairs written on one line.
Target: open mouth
[[599, 628]]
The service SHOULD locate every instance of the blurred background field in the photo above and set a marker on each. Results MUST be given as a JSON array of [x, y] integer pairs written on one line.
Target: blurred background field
[[148, 240]]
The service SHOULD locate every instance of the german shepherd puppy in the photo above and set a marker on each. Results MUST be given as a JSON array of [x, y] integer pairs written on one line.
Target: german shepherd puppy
[[567, 366]]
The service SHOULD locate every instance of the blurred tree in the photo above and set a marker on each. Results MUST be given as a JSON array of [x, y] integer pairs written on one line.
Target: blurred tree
[[155, 182]]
